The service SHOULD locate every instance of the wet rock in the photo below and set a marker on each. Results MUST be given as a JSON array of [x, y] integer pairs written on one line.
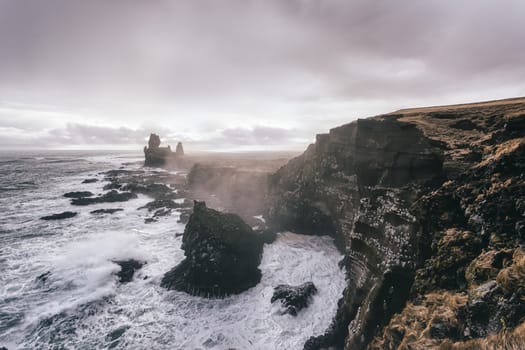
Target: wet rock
[[43, 277], [109, 197], [106, 211], [159, 191], [89, 181], [222, 255], [127, 269], [114, 336], [78, 194], [294, 298], [60, 216], [164, 203], [157, 214]]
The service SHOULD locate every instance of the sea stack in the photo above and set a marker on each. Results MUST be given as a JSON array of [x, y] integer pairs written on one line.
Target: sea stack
[[157, 156], [222, 255]]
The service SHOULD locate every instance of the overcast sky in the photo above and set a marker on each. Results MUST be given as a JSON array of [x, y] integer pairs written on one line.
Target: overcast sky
[[242, 74]]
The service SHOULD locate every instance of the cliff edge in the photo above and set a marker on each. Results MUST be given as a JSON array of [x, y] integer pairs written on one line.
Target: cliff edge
[[427, 205]]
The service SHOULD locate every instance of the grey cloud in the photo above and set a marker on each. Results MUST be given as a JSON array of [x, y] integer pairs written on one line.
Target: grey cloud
[[237, 65]]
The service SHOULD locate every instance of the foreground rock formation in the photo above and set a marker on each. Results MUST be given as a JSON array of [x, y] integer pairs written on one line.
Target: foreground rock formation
[[222, 255], [157, 156], [427, 205], [294, 298]]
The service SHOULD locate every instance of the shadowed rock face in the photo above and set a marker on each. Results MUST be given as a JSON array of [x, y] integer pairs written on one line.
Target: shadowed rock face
[[157, 156], [222, 255], [294, 298], [414, 199]]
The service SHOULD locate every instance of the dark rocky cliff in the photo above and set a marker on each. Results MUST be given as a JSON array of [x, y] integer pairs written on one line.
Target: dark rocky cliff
[[415, 199]]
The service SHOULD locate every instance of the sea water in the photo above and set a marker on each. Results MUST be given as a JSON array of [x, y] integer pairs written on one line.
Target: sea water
[[81, 304]]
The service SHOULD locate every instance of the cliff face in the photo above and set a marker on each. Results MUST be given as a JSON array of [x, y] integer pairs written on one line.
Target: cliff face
[[414, 199]]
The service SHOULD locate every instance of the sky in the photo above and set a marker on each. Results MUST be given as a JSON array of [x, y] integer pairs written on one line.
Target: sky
[[242, 74]]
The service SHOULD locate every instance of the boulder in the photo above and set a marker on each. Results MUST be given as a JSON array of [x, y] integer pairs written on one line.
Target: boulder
[[109, 197], [222, 255], [127, 269], [60, 216], [294, 298], [89, 181], [78, 194]]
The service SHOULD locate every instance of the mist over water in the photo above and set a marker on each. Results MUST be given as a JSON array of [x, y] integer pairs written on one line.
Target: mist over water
[[81, 304]]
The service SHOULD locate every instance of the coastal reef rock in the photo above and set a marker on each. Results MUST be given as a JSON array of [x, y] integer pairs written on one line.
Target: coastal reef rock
[[127, 269], [427, 206], [222, 255], [294, 298], [157, 156], [60, 216]]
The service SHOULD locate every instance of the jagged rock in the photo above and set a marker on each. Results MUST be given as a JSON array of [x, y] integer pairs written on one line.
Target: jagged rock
[[60, 216], [157, 214], [89, 181], [294, 298], [127, 269], [165, 203], [78, 194], [106, 211], [222, 255], [161, 156], [415, 199], [109, 197]]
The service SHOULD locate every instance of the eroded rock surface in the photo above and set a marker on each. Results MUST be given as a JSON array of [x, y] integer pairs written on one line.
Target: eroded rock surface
[[294, 298], [427, 205], [222, 255], [60, 216]]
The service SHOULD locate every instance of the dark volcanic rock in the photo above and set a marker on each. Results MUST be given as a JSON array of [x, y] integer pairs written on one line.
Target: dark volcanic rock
[[60, 216], [43, 277], [109, 197], [222, 255], [106, 211], [294, 298], [427, 205], [89, 181], [165, 203], [161, 156], [78, 194], [127, 269]]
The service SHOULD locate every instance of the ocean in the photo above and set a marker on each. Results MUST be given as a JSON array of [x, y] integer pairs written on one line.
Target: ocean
[[80, 303]]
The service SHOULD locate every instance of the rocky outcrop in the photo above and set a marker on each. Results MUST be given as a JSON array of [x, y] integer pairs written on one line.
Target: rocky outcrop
[[78, 194], [106, 211], [415, 199], [60, 216], [294, 298], [157, 156], [222, 255], [127, 269], [108, 197]]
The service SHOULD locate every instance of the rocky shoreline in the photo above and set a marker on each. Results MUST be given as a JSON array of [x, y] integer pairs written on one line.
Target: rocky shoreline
[[422, 202]]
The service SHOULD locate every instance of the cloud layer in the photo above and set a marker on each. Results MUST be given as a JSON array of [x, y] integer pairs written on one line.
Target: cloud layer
[[243, 73]]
